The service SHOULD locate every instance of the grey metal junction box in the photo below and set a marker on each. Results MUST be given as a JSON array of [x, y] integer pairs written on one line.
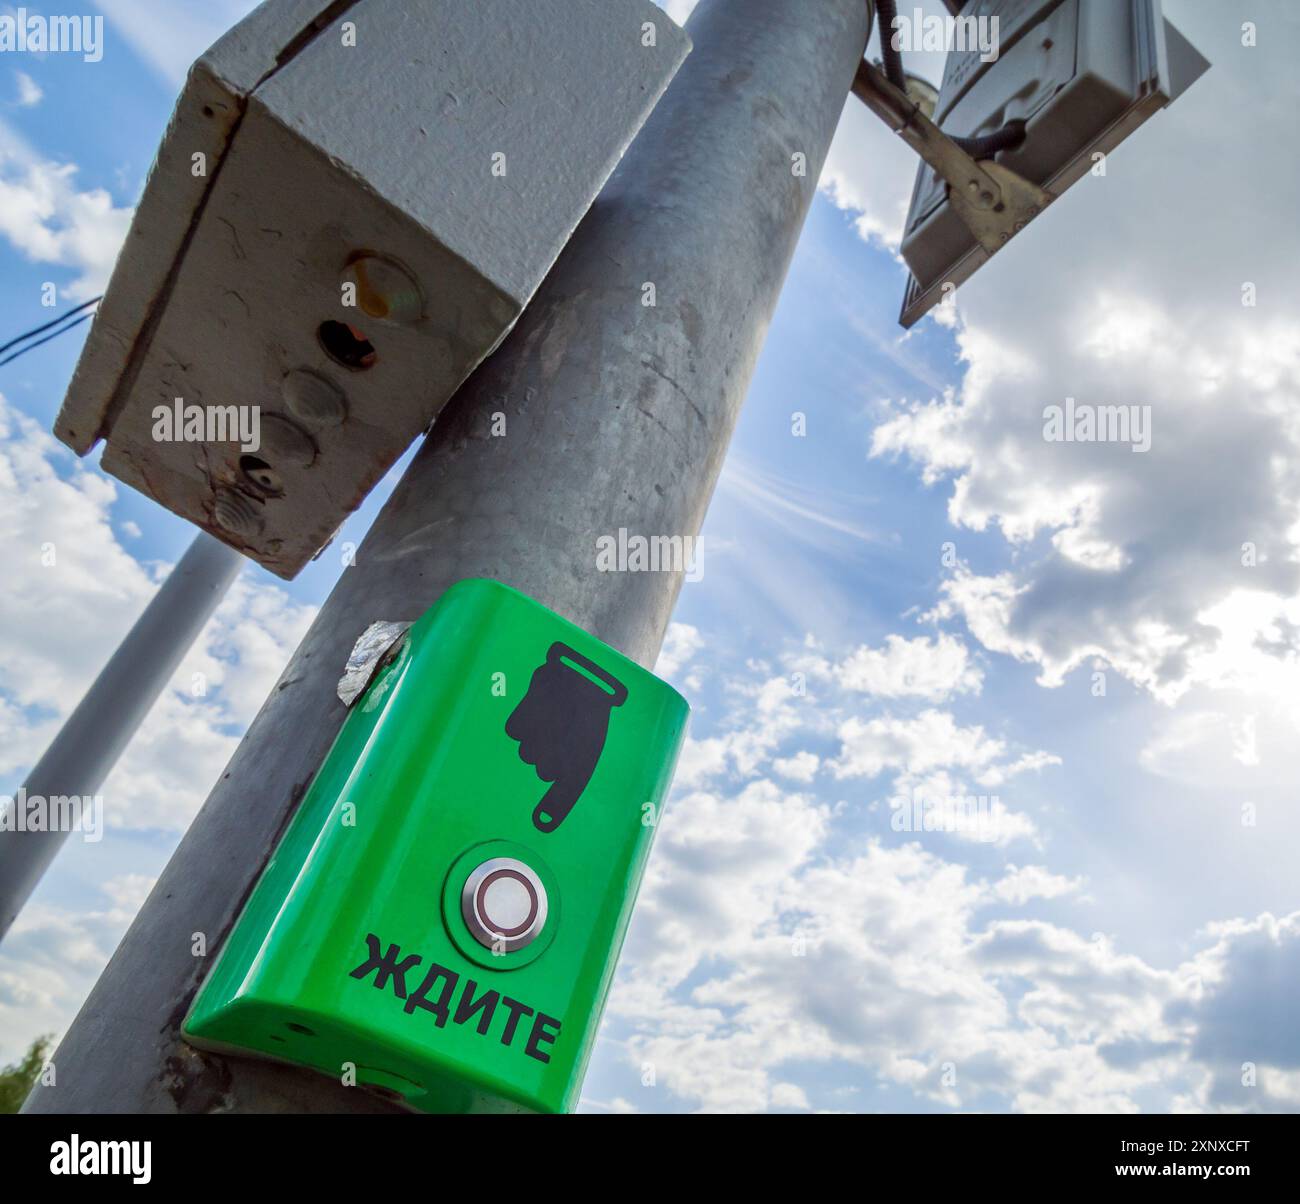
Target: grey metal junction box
[[351, 207], [1082, 74]]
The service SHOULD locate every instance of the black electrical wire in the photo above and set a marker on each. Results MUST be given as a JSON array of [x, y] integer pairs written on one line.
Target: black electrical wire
[[1009, 137], [32, 346], [887, 10], [22, 338]]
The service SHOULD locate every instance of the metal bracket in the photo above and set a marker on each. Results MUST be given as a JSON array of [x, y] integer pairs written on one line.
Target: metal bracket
[[993, 201]]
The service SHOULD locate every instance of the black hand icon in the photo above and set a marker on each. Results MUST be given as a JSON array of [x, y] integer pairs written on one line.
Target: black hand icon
[[561, 725]]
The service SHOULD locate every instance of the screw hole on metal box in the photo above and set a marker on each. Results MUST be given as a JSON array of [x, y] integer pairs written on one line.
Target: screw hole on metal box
[[347, 345], [261, 474]]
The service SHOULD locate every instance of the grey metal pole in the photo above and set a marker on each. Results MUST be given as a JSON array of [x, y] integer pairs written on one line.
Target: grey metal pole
[[88, 745], [617, 415]]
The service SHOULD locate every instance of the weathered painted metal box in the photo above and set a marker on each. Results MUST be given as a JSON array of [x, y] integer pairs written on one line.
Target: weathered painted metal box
[[1083, 76], [350, 209]]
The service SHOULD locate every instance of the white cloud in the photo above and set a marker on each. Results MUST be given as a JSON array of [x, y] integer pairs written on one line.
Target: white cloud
[[788, 1095], [73, 578], [869, 171], [700, 760], [182, 748], [30, 92], [921, 667], [763, 943], [51, 957], [1239, 1013], [776, 933], [848, 957], [770, 727], [48, 219], [681, 643], [997, 775], [802, 767], [1023, 883], [931, 740], [871, 963]]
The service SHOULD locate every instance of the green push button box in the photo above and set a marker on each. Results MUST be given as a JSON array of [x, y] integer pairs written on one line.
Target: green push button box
[[442, 918]]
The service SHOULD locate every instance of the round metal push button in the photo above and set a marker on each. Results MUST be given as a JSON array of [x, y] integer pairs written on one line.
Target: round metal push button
[[504, 904]]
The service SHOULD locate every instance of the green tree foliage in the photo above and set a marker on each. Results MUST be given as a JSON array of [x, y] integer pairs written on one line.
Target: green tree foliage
[[16, 1079]]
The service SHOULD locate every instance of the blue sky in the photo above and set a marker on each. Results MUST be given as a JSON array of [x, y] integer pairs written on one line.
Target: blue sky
[[1124, 940]]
